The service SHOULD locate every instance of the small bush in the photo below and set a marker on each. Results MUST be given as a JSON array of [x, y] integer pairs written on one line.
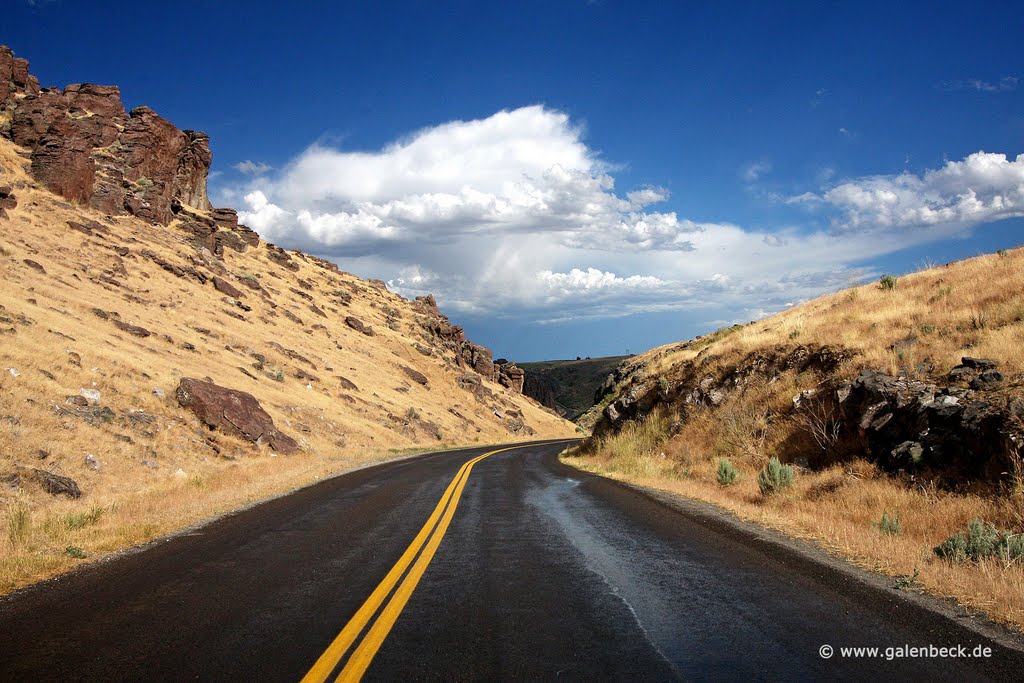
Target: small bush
[[727, 474], [890, 525], [84, 519], [953, 548], [412, 414], [982, 541], [887, 283], [1003, 252], [75, 552], [774, 477]]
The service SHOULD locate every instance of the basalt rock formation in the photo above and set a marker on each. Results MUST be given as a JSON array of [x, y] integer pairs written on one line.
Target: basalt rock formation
[[85, 147], [466, 354]]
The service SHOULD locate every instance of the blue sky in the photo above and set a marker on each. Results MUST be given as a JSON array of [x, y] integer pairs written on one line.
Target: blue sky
[[584, 178]]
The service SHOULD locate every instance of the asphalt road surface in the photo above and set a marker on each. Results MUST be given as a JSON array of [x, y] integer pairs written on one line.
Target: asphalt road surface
[[513, 567]]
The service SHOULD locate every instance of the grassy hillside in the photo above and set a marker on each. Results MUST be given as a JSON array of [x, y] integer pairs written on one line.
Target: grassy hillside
[[703, 418], [127, 308], [568, 386]]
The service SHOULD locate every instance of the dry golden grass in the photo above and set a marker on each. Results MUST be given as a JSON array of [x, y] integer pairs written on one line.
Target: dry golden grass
[[973, 307], [57, 346]]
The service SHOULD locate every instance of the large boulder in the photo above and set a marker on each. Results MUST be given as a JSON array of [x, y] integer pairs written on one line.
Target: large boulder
[[233, 412]]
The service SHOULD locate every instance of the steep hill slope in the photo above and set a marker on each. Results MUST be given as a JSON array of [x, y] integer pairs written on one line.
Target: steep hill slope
[[568, 386], [119, 284], [897, 404]]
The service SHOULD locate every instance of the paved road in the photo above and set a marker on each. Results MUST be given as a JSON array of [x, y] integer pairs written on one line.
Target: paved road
[[541, 573]]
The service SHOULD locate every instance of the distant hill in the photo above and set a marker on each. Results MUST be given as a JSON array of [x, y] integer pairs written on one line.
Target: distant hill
[[568, 386]]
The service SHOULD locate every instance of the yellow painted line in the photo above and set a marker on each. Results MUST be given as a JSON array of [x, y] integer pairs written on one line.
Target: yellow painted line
[[364, 654], [328, 661]]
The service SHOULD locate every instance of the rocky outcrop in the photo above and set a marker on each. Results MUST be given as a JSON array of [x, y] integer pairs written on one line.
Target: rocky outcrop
[[88, 149], [962, 427], [955, 433], [233, 412], [510, 375], [464, 353]]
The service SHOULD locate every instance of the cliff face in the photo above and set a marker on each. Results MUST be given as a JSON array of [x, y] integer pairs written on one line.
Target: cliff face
[[441, 336], [85, 147]]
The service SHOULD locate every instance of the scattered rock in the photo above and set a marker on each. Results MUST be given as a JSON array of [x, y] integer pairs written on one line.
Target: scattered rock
[[91, 396], [232, 411], [159, 393], [225, 287], [415, 375], [979, 363], [13, 372], [34, 265], [80, 401], [92, 463], [151, 464], [133, 330], [56, 485]]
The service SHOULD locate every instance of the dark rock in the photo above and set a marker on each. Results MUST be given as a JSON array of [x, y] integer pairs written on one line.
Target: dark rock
[[225, 287], [7, 198], [281, 257], [233, 412], [34, 266], [357, 325], [133, 330], [989, 379], [347, 383], [979, 363], [56, 485], [415, 375]]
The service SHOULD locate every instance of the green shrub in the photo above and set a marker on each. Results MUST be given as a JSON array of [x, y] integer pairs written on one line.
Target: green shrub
[[982, 541], [890, 525], [887, 283], [1003, 252], [774, 477], [727, 474], [953, 548], [75, 552], [83, 519]]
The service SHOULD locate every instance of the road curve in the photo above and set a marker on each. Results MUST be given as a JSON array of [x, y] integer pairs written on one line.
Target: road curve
[[540, 572]]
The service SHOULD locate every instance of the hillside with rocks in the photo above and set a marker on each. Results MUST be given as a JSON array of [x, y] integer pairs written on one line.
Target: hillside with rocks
[[884, 421], [160, 362]]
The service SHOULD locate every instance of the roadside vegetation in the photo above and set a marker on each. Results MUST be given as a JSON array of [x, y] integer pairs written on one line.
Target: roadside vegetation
[[751, 451]]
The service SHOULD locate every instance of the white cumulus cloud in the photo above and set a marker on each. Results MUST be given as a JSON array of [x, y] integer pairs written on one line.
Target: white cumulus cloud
[[515, 215], [983, 187]]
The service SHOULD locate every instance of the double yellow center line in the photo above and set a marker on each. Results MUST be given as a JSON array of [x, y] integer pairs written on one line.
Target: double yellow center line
[[427, 540]]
